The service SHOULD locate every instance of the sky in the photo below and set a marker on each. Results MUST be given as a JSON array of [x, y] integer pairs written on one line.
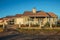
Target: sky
[[13, 7]]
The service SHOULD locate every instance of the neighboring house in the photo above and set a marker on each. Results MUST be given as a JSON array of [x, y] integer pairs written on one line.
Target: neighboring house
[[58, 21], [7, 19], [33, 17], [1, 21]]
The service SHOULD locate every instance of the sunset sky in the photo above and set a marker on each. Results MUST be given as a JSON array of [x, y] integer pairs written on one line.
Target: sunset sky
[[12, 7]]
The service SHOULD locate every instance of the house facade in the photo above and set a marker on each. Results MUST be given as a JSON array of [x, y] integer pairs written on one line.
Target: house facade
[[32, 18]]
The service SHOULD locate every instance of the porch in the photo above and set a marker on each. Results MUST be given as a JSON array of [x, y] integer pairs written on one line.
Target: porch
[[32, 23], [37, 22]]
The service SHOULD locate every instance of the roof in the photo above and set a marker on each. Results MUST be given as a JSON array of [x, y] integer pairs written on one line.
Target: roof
[[9, 16], [1, 18], [18, 15], [42, 14], [52, 14], [38, 14]]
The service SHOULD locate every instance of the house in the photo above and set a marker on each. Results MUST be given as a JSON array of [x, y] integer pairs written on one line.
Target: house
[[32, 17], [36, 17]]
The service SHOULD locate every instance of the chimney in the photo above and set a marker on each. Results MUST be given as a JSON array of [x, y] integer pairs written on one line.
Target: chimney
[[34, 10]]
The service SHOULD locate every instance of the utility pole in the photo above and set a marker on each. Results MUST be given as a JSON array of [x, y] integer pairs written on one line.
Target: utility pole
[[50, 22]]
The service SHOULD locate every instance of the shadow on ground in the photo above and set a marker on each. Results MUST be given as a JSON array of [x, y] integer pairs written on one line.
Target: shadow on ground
[[15, 35]]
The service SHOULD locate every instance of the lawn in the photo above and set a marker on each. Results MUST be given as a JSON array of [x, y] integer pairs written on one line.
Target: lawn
[[43, 31], [40, 31]]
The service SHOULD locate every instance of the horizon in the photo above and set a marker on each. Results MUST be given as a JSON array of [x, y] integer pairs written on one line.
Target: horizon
[[13, 7]]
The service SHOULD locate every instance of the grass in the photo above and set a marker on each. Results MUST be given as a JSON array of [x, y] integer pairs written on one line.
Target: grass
[[43, 31], [39, 31]]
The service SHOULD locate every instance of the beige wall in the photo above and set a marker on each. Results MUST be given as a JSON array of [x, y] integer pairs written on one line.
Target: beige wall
[[26, 19], [5, 22], [45, 20], [19, 20]]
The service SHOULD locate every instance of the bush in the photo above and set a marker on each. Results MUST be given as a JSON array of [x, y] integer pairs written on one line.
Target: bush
[[47, 24], [22, 25], [34, 25], [54, 25]]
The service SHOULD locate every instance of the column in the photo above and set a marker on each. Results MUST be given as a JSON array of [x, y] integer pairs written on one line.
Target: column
[[34, 20], [3, 26], [40, 22], [50, 22], [50, 25], [19, 25], [29, 22]]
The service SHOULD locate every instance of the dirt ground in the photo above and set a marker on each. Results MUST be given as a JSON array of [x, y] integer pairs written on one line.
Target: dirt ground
[[15, 35]]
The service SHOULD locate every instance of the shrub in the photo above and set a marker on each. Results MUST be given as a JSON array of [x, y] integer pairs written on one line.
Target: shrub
[[22, 25], [54, 25], [34, 25], [47, 24], [27, 25]]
